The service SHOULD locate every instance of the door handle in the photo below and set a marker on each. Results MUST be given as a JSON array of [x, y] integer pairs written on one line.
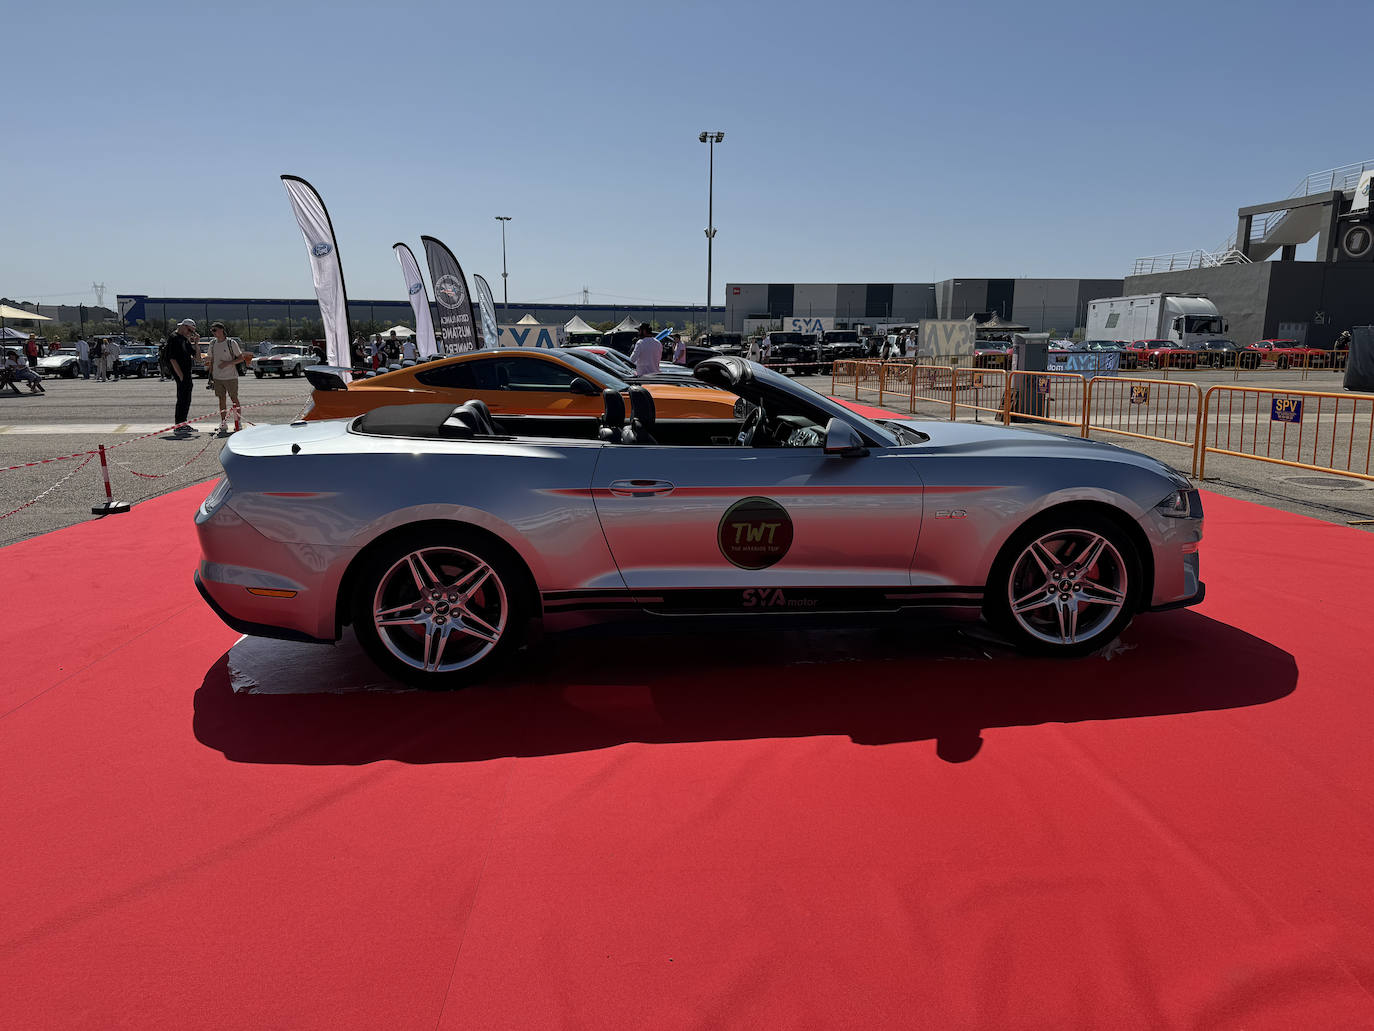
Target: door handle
[[640, 488]]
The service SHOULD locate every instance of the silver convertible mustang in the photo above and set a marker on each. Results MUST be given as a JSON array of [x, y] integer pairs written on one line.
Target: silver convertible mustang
[[443, 539]]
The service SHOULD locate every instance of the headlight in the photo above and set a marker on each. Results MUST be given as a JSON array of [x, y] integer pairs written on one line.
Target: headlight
[[1181, 504]]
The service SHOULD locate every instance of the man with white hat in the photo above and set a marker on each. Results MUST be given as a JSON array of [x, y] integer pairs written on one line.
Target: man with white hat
[[181, 345]]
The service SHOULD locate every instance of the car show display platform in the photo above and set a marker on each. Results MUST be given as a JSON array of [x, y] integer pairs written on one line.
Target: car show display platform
[[841, 829]]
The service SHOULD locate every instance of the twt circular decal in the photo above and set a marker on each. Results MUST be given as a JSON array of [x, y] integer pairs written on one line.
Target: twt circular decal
[[755, 533], [449, 291]]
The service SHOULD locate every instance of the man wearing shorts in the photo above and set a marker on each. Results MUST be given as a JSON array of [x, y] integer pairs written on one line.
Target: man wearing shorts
[[225, 354]]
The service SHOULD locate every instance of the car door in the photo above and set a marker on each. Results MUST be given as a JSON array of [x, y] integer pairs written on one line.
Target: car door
[[527, 394], [724, 528]]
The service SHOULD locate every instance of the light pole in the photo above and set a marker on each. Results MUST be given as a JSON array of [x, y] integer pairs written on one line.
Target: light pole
[[710, 139], [505, 286]]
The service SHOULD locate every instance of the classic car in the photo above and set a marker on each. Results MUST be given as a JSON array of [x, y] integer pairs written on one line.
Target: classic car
[[137, 360], [548, 391], [285, 360], [442, 535], [62, 362]]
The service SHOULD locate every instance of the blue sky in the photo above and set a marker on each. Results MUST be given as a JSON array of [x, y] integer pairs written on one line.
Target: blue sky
[[864, 141]]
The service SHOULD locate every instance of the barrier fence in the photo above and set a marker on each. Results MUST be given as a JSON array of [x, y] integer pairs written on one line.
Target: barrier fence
[[1302, 429], [1167, 411], [1316, 430]]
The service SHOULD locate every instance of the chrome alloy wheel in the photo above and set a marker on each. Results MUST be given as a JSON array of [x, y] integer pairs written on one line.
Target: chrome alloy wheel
[[440, 609], [1067, 586]]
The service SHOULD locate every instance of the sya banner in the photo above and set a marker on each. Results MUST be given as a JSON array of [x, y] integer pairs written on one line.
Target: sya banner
[[486, 305], [419, 300], [313, 219], [456, 333]]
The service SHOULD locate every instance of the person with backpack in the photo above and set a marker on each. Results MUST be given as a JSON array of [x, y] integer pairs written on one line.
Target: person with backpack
[[225, 354]]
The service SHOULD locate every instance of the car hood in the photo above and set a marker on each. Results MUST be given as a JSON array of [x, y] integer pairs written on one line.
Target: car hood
[[969, 439], [51, 360]]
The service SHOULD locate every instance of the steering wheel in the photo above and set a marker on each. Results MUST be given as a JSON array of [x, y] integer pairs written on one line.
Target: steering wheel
[[751, 426]]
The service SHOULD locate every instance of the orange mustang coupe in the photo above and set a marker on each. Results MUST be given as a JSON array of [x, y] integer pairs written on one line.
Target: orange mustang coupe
[[529, 391]]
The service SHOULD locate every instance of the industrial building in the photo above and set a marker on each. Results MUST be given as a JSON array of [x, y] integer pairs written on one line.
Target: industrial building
[[265, 313], [1045, 305]]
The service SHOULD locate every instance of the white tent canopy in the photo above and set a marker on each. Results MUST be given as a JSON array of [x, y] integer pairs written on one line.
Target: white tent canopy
[[577, 325], [629, 324], [20, 315], [528, 320], [400, 331]]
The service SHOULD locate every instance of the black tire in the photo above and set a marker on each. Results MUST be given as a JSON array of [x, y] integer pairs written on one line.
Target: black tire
[[497, 602], [1009, 578], [142, 370], [1281, 363], [257, 374], [69, 372], [298, 371]]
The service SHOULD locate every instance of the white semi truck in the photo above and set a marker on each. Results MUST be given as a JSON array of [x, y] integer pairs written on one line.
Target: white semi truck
[[1188, 319]]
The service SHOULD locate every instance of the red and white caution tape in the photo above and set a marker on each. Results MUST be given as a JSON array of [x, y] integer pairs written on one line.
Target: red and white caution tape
[[77, 469]]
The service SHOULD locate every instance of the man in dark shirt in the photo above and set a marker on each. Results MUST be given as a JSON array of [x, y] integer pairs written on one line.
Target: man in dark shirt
[[181, 359]]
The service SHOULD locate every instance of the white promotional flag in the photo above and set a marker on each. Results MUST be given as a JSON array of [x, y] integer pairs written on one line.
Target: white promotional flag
[[419, 301], [324, 266], [486, 312]]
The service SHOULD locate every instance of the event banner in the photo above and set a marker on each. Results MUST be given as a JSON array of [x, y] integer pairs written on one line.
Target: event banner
[[486, 305], [419, 300], [456, 329], [324, 266]]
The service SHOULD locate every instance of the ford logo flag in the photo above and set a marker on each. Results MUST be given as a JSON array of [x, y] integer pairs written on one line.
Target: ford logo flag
[[321, 249]]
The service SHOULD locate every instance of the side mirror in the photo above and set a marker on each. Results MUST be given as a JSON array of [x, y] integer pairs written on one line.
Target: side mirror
[[842, 439], [583, 387]]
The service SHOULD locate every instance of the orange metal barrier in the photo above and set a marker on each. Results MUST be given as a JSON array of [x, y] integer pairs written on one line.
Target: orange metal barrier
[[1057, 397], [1168, 411], [1304, 429]]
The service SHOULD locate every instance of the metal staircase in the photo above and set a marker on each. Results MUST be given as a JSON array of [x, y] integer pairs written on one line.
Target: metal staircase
[[1268, 232]]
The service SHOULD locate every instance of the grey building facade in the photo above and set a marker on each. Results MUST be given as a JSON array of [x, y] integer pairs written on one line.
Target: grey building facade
[[1045, 305]]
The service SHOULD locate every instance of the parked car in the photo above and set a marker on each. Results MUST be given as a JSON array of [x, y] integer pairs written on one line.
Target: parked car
[[795, 352], [443, 535], [1219, 353], [992, 354], [839, 344], [616, 364], [137, 360], [284, 360], [1159, 354], [724, 343], [1283, 353], [553, 392], [62, 362]]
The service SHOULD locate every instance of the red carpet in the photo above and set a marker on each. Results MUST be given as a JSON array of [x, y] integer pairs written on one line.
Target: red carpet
[[776, 831]]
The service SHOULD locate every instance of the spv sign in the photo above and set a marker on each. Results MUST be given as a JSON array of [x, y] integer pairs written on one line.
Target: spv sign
[[946, 338], [1286, 409], [797, 324]]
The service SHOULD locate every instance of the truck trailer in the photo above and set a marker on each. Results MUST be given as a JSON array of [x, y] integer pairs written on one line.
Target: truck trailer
[[1187, 319]]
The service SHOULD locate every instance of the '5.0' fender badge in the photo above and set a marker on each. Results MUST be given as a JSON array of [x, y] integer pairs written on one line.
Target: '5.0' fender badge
[[755, 533]]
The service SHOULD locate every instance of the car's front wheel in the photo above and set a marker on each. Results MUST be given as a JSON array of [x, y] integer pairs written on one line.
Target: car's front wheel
[[1065, 586], [438, 609], [258, 373]]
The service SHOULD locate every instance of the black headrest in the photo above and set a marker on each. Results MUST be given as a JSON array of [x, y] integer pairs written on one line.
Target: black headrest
[[726, 371], [642, 407], [481, 417], [614, 405]]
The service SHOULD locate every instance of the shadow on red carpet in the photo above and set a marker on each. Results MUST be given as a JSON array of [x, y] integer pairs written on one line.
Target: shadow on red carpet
[[581, 695]]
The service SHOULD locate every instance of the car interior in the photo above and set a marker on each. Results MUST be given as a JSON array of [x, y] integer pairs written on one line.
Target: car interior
[[773, 420]]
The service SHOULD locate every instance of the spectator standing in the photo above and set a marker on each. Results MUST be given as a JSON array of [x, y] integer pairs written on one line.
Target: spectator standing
[[680, 351], [31, 351], [83, 357], [112, 350], [648, 352], [225, 354], [408, 349], [181, 360], [98, 359]]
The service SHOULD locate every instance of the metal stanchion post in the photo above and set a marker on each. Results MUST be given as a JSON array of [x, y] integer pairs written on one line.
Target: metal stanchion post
[[111, 506]]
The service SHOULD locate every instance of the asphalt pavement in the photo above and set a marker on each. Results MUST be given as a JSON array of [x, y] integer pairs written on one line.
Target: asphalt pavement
[[75, 416]]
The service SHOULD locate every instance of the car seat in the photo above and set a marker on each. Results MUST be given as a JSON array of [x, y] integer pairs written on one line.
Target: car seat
[[480, 417], [642, 418], [612, 421]]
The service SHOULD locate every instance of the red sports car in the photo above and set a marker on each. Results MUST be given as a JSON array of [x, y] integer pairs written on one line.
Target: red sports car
[[1283, 353], [1159, 354]]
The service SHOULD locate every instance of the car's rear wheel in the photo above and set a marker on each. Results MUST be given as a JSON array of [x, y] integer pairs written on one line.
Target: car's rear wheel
[[1065, 586], [258, 373], [298, 370], [1282, 363], [438, 610]]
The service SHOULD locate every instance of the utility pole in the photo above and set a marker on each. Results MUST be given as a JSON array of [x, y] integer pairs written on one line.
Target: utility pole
[[710, 139], [505, 286]]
